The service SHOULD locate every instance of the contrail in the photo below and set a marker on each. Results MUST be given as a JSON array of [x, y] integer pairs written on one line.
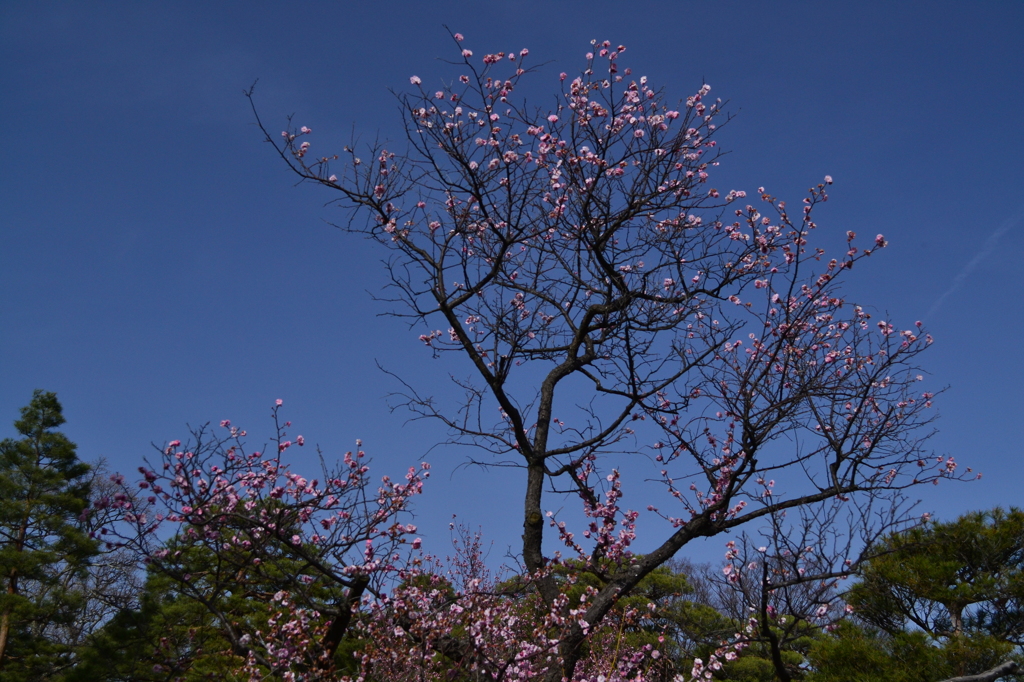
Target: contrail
[[986, 248]]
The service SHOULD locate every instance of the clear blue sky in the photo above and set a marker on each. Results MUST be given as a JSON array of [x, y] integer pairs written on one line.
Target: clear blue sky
[[159, 268]]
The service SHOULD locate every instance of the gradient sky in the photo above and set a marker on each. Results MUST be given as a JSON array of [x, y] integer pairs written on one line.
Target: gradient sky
[[159, 267]]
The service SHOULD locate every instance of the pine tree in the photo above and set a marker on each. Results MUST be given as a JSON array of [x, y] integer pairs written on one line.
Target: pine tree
[[44, 489]]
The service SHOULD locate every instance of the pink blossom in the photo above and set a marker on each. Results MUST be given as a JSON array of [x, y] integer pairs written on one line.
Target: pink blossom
[[458, 37], [279, 402], [564, 170]]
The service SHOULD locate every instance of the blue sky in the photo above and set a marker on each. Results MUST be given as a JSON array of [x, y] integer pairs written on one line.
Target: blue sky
[[159, 267]]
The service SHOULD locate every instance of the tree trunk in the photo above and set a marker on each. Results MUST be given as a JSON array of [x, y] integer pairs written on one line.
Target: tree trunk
[[12, 589], [5, 628], [533, 530], [340, 625], [5, 618], [956, 619], [766, 630]]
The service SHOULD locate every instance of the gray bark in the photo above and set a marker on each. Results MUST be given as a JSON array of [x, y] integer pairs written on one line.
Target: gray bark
[[1007, 668]]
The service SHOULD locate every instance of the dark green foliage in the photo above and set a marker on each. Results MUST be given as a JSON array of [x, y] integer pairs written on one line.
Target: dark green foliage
[[854, 653], [950, 578], [860, 653], [44, 548], [941, 600]]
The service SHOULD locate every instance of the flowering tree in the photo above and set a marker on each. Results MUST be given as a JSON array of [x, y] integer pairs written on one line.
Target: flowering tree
[[245, 526], [456, 619], [610, 299]]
